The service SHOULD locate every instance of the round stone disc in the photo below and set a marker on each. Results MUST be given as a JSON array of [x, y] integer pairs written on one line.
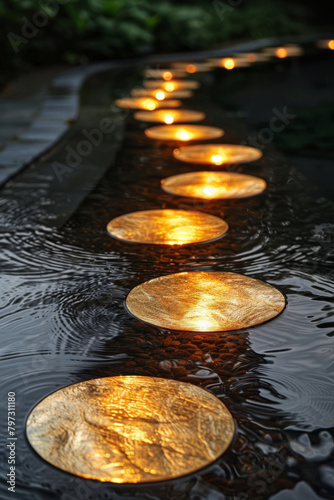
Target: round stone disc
[[170, 116], [130, 429], [167, 227], [172, 84], [214, 185], [217, 154], [147, 103], [205, 301], [176, 94], [183, 132]]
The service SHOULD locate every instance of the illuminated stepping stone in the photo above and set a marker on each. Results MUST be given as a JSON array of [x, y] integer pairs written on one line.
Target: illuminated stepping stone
[[161, 94], [167, 227], [205, 301], [214, 185], [147, 103], [170, 116], [130, 429], [192, 67], [165, 74], [217, 154], [172, 84], [183, 132]]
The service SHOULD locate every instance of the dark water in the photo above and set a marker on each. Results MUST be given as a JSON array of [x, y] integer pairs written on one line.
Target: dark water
[[63, 321]]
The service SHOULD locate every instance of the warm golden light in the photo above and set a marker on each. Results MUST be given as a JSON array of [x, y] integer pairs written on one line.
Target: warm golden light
[[228, 63], [331, 44], [183, 132], [160, 95], [288, 50], [205, 301], [183, 135], [130, 429], [191, 68], [281, 52], [167, 75], [169, 116], [251, 58], [214, 185], [171, 85], [168, 119], [167, 227], [217, 159], [146, 103], [217, 154]]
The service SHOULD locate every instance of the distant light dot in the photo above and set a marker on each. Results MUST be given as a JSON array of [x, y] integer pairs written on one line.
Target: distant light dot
[[183, 135], [228, 63], [209, 191], [281, 53], [168, 119], [331, 44], [160, 95], [150, 105], [170, 87], [191, 68], [167, 75], [251, 58], [217, 159]]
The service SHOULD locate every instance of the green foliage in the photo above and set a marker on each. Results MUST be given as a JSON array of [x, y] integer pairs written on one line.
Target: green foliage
[[79, 31]]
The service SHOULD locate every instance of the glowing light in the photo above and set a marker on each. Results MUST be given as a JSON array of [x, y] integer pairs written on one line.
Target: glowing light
[[160, 95], [218, 154], [183, 135], [217, 159], [214, 185], [191, 68], [169, 116], [167, 75], [149, 104], [213, 301], [183, 132], [167, 227], [251, 58], [209, 191], [168, 119], [228, 63], [170, 87], [281, 52], [331, 44], [113, 426]]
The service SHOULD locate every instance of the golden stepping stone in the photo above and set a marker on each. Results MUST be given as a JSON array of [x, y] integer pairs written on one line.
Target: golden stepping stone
[[167, 227], [217, 154], [205, 301], [183, 132], [147, 103], [172, 84], [214, 185], [130, 429], [169, 116]]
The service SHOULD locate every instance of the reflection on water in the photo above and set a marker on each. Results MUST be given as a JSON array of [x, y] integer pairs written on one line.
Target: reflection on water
[[63, 321]]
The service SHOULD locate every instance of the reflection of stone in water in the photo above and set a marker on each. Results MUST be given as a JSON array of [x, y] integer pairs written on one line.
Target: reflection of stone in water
[[130, 429], [205, 301]]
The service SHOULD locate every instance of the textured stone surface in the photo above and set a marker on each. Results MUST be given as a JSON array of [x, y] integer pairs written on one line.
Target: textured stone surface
[[130, 429]]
